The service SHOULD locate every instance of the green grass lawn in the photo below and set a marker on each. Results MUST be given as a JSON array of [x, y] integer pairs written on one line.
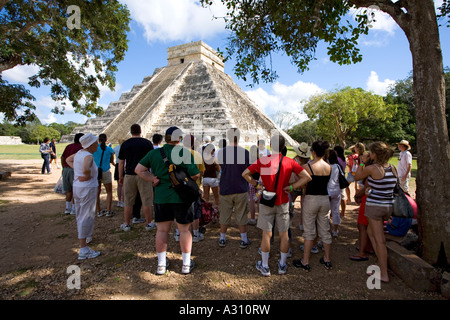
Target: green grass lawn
[[26, 151]]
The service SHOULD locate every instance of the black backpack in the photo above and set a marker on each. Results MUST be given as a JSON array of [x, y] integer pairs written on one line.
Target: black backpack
[[182, 182]]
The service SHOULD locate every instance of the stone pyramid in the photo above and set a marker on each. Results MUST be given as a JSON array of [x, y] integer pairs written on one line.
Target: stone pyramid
[[193, 93]]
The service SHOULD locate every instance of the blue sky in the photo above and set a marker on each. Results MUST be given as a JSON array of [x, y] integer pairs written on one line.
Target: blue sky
[[158, 24]]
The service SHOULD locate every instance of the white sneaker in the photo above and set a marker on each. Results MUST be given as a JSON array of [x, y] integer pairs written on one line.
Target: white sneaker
[[185, 269], [176, 237], [137, 220], [68, 211], [264, 271], [160, 270], [101, 213], [198, 238], [88, 240], [125, 227], [282, 269], [74, 211], [87, 253], [151, 226]]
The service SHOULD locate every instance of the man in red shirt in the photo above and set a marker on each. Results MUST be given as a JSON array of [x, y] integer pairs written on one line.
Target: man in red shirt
[[67, 172], [268, 167]]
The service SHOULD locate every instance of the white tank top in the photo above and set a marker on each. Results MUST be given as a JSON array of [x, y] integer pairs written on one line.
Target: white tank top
[[78, 170]]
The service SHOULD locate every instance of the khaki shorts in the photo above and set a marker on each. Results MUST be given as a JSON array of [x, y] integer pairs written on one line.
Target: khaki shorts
[[278, 214], [133, 183], [106, 177], [67, 175], [238, 201], [377, 212], [315, 210]]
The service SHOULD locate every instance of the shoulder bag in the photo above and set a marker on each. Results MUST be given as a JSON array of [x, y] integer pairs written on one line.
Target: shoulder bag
[[401, 207], [343, 183], [268, 198], [100, 170], [182, 183]]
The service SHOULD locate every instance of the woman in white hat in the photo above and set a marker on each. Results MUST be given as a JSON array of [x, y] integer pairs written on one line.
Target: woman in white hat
[[85, 185], [404, 165]]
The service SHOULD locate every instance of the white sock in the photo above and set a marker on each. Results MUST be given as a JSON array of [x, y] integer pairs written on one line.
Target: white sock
[[265, 259], [283, 258], [244, 237], [68, 205], [222, 236], [186, 258], [161, 258]]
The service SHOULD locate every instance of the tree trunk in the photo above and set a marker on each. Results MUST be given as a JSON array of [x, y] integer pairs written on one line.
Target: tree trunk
[[433, 177]]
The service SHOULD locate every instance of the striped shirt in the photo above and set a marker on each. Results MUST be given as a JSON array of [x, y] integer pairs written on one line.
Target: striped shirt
[[382, 190]]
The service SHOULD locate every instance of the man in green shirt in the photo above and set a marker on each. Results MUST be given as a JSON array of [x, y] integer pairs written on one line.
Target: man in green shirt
[[168, 204]]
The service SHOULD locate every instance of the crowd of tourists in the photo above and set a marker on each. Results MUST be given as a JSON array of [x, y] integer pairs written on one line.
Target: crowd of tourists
[[242, 182]]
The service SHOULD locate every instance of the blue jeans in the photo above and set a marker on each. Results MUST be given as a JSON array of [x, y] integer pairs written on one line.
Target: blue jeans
[[46, 164]]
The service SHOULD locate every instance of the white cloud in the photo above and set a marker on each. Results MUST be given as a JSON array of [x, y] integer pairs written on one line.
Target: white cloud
[[382, 26], [20, 73], [284, 97], [375, 85], [379, 20], [172, 20], [382, 21]]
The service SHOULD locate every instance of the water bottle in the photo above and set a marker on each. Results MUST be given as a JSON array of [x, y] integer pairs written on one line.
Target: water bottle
[[258, 195]]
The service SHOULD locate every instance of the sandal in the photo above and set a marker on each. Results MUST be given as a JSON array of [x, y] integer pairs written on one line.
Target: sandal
[[358, 258], [327, 264], [299, 264]]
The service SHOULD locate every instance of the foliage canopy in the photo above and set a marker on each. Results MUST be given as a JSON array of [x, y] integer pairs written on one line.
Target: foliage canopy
[[73, 61]]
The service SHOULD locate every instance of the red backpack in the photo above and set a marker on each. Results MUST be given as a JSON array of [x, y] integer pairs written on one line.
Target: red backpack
[[209, 213]]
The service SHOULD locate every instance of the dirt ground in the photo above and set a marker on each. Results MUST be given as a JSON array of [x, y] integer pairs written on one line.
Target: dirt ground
[[39, 243]]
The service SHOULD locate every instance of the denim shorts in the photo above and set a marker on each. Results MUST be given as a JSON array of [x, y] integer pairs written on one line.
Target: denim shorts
[[212, 182]]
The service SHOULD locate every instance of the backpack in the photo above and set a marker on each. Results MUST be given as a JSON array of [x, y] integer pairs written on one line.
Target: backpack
[[209, 213], [182, 182]]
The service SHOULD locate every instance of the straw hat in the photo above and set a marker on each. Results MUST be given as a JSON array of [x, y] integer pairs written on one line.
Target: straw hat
[[87, 140], [405, 143], [302, 150]]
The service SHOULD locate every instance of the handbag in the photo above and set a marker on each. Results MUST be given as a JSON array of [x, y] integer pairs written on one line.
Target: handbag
[[401, 206], [59, 186], [343, 183], [268, 198]]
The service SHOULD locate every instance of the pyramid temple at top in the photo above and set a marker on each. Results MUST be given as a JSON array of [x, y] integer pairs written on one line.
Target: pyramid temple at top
[[193, 93]]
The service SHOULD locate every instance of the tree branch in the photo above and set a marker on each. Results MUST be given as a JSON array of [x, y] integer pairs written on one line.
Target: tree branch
[[6, 64], [30, 25], [389, 7], [316, 14]]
